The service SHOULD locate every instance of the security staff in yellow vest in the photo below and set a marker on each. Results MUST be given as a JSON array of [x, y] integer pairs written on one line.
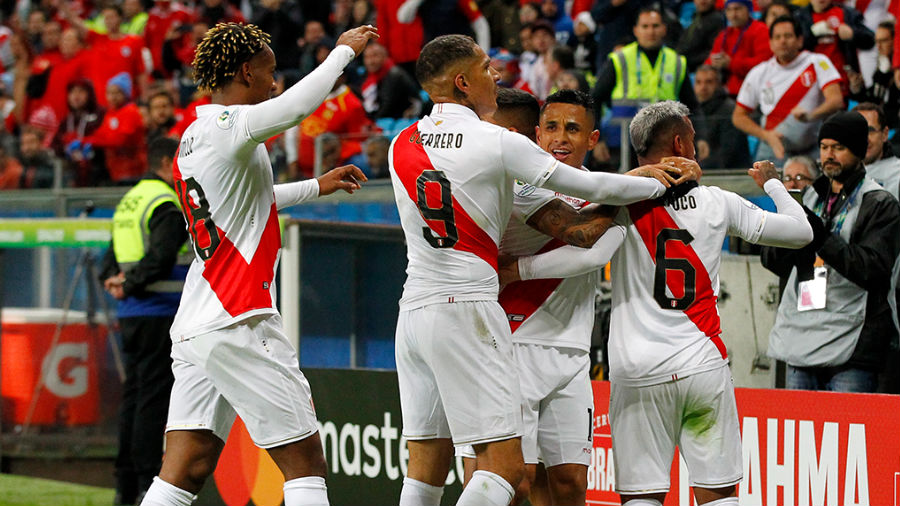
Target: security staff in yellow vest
[[144, 268], [643, 72]]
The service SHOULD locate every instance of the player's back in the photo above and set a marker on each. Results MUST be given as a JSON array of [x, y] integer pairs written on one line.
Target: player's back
[[454, 198], [224, 181], [665, 280]]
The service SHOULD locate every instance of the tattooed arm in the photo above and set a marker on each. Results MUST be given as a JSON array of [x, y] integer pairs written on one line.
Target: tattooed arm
[[573, 226]]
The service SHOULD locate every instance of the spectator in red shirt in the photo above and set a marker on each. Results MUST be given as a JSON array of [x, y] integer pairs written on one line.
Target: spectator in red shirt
[[741, 46], [114, 52], [121, 136], [402, 40], [66, 67], [837, 31], [162, 16], [50, 35]]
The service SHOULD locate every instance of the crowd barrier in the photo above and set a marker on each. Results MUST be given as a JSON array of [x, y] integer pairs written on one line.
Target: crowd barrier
[[799, 448]]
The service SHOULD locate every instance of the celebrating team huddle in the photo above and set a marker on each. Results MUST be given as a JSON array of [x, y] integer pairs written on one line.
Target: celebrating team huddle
[[505, 237]]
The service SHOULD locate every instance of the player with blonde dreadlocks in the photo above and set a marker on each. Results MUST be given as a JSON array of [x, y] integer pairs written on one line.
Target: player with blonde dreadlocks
[[230, 355]]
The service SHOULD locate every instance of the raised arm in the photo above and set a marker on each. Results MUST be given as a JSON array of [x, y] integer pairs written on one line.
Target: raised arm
[[288, 109], [787, 229]]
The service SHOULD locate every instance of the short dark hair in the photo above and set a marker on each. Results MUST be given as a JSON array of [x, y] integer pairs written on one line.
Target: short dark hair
[[786, 19], [563, 55], [442, 52], [574, 97], [521, 103], [160, 148], [870, 106], [648, 9], [888, 25], [709, 68], [161, 93]]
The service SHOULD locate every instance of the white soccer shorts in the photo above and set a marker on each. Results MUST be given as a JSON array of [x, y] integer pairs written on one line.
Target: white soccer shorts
[[698, 413], [457, 373], [557, 405], [249, 369]]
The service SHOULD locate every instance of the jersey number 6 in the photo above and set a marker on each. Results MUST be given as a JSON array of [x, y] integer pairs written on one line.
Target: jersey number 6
[[443, 214], [204, 233], [665, 264]]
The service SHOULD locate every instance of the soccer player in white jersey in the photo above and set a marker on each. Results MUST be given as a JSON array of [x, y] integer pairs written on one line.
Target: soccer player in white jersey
[[230, 355], [551, 320], [453, 180], [670, 382], [794, 89]]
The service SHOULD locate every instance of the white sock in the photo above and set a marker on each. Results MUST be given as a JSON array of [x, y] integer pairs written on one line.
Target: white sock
[[306, 491], [486, 489], [162, 493], [642, 502], [725, 501], [419, 493]]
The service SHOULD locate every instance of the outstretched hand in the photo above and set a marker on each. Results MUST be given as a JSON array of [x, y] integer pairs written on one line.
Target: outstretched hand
[[358, 37], [347, 178], [762, 171]]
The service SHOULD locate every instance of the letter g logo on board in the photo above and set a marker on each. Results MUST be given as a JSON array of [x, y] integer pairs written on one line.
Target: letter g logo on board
[[70, 382]]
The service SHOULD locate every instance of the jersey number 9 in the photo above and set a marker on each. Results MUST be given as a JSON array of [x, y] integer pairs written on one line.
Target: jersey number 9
[[443, 214]]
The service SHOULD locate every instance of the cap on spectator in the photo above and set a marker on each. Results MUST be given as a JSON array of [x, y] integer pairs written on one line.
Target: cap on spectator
[[746, 3], [43, 118], [588, 20], [850, 129], [123, 81]]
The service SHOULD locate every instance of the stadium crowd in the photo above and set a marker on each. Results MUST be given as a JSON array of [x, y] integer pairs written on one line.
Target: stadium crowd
[[86, 85]]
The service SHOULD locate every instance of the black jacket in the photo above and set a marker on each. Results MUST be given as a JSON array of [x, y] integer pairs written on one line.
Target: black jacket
[[697, 40], [728, 147], [866, 260]]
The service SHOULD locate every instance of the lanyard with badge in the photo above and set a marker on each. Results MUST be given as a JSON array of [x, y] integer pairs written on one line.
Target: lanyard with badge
[[662, 68], [812, 293]]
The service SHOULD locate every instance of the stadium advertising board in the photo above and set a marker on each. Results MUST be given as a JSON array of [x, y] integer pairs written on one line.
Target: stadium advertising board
[[800, 448]]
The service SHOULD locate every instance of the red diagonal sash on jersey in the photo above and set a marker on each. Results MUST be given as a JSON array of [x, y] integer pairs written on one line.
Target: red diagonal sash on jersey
[[522, 298], [240, 286], [649, 219], [410, 160], [791, 97]]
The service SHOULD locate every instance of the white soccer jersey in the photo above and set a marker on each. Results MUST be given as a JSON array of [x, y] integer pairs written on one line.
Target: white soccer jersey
[[223, 178], [776, 89], [665, 280], [549, 312], [225, 182], [454, 197]]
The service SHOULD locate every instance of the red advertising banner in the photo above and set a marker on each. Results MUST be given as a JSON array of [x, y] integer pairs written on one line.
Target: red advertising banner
[[799, 449]]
